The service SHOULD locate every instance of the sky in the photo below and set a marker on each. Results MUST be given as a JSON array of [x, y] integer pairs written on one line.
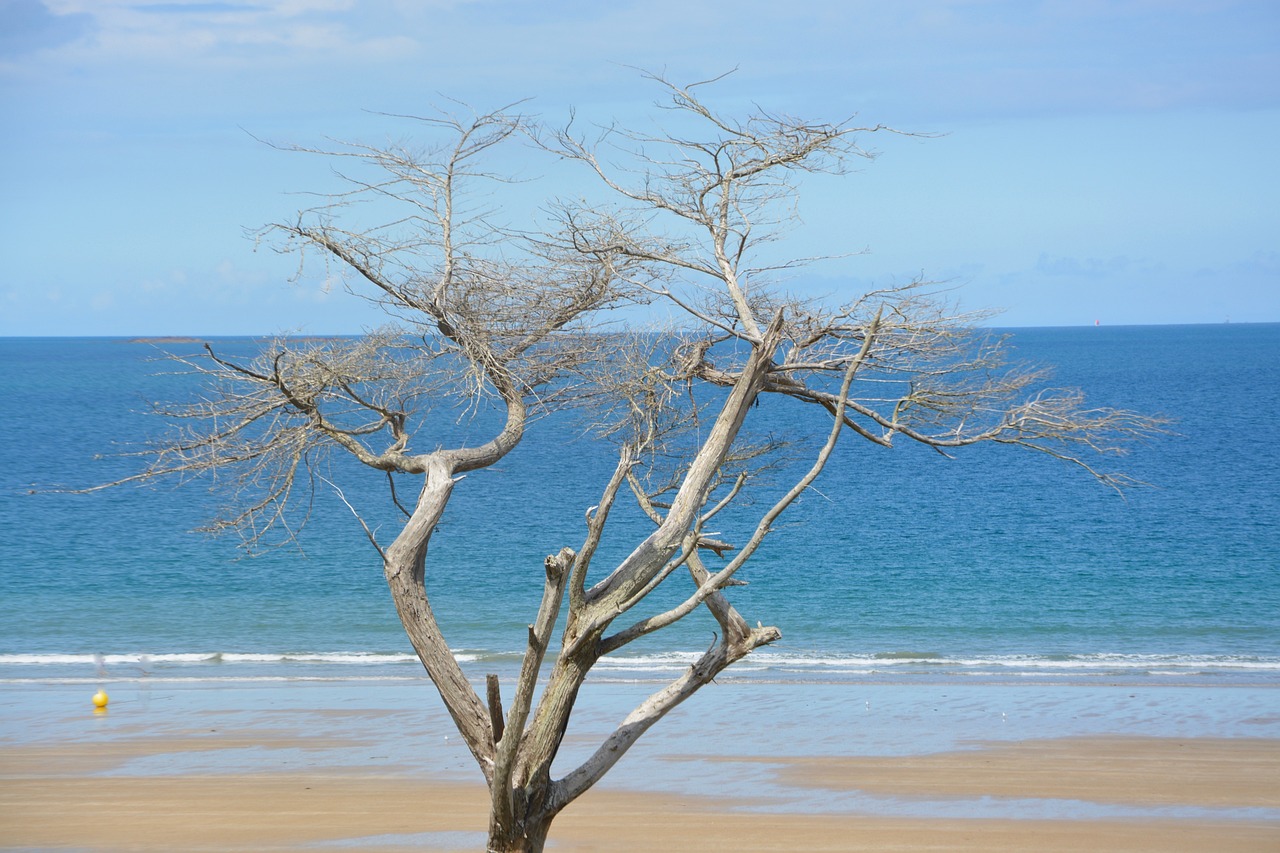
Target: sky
[[1083, 160]]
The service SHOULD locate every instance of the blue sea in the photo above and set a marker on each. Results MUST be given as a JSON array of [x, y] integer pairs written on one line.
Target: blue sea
[[900, 566]]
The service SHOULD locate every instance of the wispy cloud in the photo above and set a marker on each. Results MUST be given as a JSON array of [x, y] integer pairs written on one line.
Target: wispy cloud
[[936, 61], [1088, 267], [1261, 264], [28, 26], [266, 33]]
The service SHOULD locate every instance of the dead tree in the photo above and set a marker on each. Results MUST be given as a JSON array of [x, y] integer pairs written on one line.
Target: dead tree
[[691, 221]]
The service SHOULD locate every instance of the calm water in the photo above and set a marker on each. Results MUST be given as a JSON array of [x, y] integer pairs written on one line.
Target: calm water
[[997, 565]]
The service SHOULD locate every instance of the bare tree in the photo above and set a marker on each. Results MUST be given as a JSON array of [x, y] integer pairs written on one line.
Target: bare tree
[[491, 316]]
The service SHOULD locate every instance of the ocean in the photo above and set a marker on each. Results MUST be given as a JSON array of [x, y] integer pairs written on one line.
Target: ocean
[[901, 566]]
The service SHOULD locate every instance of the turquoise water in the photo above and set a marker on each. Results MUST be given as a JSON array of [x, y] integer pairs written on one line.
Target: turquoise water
[[996, 565]]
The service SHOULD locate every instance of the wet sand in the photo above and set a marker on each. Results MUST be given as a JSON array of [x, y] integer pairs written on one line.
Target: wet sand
[[376, 766], [67, 797], [270, 813]]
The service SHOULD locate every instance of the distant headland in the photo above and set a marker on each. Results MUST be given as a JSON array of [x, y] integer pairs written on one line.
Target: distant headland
[[166, 339]]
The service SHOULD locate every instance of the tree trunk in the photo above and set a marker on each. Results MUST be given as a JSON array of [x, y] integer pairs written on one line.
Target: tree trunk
[[523, 810], [404, 564], [527, 835]]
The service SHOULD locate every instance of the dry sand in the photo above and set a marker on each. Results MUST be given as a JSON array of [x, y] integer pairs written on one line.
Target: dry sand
[[57, 797]]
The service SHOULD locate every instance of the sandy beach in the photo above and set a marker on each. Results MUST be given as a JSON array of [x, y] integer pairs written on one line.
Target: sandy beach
[[292, 767], [52, 799]]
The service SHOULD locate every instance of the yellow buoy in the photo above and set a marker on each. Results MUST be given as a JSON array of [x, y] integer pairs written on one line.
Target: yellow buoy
[[100, 699]]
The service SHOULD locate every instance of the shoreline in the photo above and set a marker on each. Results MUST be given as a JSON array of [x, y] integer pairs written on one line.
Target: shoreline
[[377, 767], [52, 799]]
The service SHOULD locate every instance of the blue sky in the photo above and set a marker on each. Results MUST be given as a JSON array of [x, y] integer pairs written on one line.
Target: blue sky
[[1109, 161]]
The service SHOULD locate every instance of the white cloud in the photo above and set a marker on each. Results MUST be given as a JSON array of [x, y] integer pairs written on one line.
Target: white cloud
[[929, 62], [1096, 132], [268, 33], [1087, 267]]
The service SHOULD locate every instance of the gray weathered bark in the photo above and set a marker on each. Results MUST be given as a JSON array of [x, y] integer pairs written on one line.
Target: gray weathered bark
[[492, 316]]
